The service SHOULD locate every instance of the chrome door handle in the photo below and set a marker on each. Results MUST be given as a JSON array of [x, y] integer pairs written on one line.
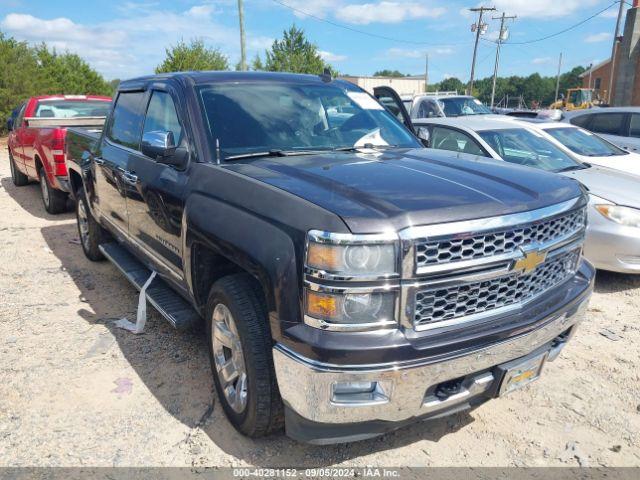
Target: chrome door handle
[[99, 161], [130, 178]]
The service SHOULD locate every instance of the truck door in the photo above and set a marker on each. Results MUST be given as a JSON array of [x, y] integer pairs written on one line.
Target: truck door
[[388, 97], [120, 142], [155, 212]]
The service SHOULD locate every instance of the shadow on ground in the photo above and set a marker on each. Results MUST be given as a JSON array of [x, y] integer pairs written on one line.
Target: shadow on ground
[[28, 197], [611, 282], [175, 368]]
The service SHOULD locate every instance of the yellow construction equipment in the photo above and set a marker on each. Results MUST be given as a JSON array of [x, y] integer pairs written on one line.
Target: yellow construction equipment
[[577, 99]]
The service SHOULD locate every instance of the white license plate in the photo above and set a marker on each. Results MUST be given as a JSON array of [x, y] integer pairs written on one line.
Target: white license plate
[[522, 374]]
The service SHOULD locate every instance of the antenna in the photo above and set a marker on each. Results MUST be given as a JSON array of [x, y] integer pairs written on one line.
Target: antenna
[[218, 151]]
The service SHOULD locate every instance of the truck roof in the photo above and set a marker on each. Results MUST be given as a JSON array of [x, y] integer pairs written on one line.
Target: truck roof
[[72, 97], [201, 77]]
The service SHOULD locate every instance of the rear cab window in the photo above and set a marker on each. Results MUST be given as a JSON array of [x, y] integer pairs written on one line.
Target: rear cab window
[[634, 125], [125, 126], [72, 109]]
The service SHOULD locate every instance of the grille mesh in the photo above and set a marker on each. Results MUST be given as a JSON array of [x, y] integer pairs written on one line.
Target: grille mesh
[[440, 304], [434, 252]]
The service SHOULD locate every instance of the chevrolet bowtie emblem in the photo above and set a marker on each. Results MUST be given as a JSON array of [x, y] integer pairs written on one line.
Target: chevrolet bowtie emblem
[[530, 261]]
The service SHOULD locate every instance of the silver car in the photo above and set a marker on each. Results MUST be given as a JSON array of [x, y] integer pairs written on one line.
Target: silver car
[[619, 125], [613, 236], [444, 105]]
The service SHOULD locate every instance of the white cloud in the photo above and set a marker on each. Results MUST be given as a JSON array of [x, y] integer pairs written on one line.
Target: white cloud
[[598, 37], [541, 60], [132, 44], [541, 8], [331, 57], [387, 12], [319, 8]]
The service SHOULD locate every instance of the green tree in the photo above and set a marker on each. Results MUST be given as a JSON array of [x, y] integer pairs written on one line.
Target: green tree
[[389, 73], [449, 84], [192, 56], [294, 53]]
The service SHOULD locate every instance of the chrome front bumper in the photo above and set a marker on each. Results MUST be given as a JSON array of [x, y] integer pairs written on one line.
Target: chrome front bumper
[[405, 391]]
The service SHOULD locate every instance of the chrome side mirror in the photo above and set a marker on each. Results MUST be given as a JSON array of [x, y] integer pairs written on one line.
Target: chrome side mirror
[[158, 144]]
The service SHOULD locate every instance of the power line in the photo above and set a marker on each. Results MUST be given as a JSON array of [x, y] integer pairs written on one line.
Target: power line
[[363, 32], [565, 30]]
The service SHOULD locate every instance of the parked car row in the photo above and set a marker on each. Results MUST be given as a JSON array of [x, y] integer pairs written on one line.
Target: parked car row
[[351, 280]]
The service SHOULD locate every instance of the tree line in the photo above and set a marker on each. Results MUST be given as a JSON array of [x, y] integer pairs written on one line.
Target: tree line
[[533, 88], [37, 70]]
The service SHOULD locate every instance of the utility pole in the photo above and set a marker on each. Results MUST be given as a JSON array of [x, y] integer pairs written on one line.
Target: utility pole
[[558, 77], [614, 47], [243, 55], [426, 73], [502, 36], [479, 28]]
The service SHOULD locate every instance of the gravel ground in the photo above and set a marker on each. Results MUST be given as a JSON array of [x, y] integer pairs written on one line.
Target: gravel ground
[[76, 391]]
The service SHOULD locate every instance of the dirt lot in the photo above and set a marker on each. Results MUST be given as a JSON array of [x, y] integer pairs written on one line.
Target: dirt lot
[[74, 390]]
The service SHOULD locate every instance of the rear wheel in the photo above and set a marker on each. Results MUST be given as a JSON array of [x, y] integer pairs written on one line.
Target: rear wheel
[[90, 232], [19, 178], [55, 201], [240, 353]]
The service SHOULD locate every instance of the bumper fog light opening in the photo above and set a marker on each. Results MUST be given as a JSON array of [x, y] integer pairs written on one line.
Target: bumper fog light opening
[[356, 394]]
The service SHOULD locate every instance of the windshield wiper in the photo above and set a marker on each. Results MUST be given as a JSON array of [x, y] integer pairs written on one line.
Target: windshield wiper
[[572, 168], [274, 153]]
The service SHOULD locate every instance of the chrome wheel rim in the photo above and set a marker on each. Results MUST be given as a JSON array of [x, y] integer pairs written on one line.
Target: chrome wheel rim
[[228, 358], [83, 224], [44, 188]]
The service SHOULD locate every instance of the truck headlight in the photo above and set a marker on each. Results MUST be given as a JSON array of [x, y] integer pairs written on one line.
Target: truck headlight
[[348, 255], [355, 311], [627, 216]]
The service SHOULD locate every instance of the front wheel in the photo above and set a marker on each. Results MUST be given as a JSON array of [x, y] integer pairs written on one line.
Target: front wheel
[[90, 231], [240, 353], [55, 201]]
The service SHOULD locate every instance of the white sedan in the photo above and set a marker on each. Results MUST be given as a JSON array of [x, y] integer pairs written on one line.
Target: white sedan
[[591, 148]]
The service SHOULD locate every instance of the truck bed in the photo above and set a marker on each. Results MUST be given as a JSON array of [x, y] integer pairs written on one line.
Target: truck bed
[[81, 140]]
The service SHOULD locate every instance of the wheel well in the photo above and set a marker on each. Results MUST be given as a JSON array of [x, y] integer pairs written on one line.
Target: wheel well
[[76, 182], [38, 163], [207, 267]]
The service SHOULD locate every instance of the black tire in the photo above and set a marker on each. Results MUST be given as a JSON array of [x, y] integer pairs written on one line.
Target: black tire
[[54, 201], [264, 412], [90, 231], [19, 178]]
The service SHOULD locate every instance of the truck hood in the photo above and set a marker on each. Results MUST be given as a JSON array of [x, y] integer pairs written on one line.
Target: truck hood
[[398, 188], [613, 185]]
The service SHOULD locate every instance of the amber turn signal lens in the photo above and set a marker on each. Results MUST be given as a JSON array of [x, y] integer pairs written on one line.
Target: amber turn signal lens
[[321, 306], [323, 257]]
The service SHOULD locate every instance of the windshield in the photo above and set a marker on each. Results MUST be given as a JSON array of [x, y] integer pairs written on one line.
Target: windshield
[[256, 117], [584, 143], [72, 109], [460, 106], [524, 147]]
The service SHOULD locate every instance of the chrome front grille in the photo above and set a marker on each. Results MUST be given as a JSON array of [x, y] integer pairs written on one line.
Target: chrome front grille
[[439, 306], [469, 246]]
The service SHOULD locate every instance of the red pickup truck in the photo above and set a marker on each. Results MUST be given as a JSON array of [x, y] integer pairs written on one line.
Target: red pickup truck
[[37, 137]]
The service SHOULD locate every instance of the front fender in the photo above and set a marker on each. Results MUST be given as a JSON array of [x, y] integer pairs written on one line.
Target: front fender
[[257, 246]]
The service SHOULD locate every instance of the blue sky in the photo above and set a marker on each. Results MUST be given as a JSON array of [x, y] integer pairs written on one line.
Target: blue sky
[[127, 38]]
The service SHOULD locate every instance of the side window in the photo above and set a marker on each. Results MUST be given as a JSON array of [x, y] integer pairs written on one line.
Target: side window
[[607, 123], [20, 117], [581, 120], [448, 139], [634, 127], [126, 120], [162, 116]]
